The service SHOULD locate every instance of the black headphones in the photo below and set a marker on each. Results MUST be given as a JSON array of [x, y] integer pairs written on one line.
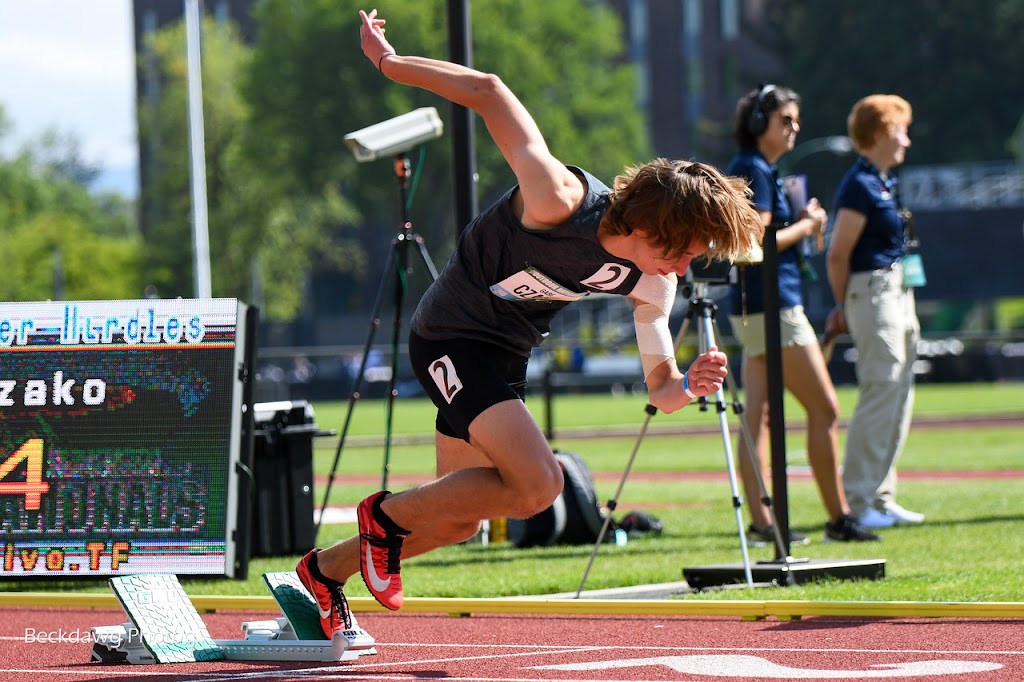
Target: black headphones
[[758, 121]]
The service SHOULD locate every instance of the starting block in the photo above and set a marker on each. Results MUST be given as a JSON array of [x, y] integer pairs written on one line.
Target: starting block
[[164, 627]]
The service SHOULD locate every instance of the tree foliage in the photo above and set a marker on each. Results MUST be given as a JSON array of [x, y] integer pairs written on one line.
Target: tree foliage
[[256, 226], [284, 191], [957, 63], [309, 85], [60, 241]]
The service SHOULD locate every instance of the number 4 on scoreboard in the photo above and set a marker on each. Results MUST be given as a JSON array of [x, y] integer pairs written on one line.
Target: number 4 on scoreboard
[[33, 487]]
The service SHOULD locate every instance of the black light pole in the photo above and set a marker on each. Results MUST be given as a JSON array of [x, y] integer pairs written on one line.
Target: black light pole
[[460, 51], [773, 362]]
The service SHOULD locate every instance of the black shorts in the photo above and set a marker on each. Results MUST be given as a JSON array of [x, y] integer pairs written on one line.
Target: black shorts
[[465, 377]]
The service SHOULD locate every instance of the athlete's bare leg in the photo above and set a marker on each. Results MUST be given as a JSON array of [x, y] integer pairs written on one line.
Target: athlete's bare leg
[[507, 470]]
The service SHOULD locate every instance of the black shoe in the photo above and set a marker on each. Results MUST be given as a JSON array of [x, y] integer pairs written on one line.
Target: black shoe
[[846, 529], [761, 536]]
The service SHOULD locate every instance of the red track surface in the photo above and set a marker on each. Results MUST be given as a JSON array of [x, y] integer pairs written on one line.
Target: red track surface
[[522, 648]]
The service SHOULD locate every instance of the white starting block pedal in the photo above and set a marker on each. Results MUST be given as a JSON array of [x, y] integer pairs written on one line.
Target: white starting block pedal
[[164, 627]]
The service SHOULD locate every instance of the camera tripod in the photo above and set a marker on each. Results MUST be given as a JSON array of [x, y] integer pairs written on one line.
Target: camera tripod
[[397, 269], [703, 310]]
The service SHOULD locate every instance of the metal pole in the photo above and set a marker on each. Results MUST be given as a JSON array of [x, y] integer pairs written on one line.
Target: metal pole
[[402, 172], [460, 51], [197, 153], [773, 367]]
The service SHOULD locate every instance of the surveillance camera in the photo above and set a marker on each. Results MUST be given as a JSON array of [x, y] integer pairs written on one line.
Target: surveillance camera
[[396, 135]]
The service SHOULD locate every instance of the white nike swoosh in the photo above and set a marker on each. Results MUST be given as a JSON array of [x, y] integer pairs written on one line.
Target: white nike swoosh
[[376, 582], [323, 614]]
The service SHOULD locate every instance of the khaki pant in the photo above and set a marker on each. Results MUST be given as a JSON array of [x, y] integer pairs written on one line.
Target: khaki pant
[[882, 320], [794, 330]]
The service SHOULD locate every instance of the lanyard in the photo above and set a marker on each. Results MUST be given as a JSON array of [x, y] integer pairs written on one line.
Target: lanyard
[[891, 184]]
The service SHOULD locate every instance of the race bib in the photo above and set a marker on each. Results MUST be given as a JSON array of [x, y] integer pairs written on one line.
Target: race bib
[[609, 277], [533, 285]]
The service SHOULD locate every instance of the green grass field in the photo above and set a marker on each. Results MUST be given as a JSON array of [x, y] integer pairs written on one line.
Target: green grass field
[[969, 480]]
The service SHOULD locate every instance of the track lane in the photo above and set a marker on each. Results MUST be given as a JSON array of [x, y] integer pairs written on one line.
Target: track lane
[[594, 648]]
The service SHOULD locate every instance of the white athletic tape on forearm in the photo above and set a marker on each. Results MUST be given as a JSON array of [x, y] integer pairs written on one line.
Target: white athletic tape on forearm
[[654, 295], [653, 339]]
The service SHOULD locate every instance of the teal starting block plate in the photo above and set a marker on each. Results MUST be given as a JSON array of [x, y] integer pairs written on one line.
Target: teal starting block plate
[[167, 623], [302, 614], [296, 603]]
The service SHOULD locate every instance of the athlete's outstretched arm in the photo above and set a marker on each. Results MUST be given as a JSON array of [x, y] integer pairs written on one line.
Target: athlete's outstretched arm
[[667, 386], [550, 191]]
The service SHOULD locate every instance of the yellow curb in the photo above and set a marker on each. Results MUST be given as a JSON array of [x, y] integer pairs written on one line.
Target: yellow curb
[[747, 609]]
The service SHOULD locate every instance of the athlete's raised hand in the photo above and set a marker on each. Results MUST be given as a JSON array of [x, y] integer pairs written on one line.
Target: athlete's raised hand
[[371, 38]]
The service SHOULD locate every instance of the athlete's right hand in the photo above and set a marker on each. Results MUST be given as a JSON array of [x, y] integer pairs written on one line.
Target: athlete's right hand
[[707, 372], [371, 38]]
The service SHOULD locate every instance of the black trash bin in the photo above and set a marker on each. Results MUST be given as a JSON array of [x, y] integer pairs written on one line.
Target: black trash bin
[[283, 470]]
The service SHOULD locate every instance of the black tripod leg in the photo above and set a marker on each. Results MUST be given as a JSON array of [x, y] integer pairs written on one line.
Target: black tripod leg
[[358, 382], [401, 285], [614, 501], [426, 257]]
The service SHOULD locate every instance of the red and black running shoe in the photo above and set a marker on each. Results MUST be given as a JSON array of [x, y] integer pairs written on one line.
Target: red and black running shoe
[[329, 595], [380, 551]]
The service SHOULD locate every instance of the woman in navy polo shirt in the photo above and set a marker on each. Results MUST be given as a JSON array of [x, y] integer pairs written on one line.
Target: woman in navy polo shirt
[[876, 307], [767, 123]]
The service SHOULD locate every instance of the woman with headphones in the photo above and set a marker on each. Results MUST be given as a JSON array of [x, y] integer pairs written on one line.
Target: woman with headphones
[[766, 126]]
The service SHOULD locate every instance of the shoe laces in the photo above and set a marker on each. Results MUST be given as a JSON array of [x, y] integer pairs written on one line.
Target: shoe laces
[[391, 543], [340, 604]]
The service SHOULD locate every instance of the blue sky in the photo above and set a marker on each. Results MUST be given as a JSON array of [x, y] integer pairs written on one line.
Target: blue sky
[[69, 65]]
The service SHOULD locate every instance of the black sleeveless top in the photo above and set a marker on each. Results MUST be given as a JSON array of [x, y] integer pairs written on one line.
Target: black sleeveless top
[[505, 282]]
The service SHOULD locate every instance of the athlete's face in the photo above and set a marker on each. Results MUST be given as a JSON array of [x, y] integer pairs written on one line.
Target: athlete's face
[[652, 261]]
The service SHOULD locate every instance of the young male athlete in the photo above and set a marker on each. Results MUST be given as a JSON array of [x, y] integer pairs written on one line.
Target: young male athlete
[[555, 237]]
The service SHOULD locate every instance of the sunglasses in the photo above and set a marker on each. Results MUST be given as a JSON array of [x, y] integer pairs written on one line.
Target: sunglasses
[[789, 121]]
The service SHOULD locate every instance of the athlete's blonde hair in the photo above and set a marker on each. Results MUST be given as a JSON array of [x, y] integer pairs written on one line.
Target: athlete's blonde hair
[[679, 202]]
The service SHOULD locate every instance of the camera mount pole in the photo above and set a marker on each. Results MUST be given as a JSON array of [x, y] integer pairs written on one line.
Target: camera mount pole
[[402, 270], [398, 260], [705, 309], [402, 167]]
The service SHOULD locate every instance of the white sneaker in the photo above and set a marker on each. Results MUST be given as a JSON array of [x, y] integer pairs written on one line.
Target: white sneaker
[[902, 515], [873, 518]]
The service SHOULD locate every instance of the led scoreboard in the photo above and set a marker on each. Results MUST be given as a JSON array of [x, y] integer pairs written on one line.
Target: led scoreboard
[[121, 432]]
